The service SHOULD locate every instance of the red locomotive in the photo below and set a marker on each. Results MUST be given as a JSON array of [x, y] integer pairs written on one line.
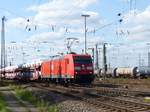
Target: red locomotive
[[68, 68], [71, 67]]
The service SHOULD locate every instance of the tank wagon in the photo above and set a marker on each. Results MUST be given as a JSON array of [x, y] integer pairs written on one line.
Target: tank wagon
[[109, 72], [126, 72], [144, 71]]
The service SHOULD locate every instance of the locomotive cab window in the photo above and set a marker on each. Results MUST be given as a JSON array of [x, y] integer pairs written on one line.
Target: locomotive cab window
[[79, 59]]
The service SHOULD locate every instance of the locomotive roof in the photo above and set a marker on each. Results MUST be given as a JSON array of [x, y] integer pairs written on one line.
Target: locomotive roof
[[79, 54], [67, 55]]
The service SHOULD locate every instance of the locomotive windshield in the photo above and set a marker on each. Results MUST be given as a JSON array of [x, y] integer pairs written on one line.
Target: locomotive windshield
[[81, 59]]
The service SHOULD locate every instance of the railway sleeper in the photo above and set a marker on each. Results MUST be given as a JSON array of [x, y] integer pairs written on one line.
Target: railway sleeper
[[126, 105], [133, 106], [108, 105], [143, 109]]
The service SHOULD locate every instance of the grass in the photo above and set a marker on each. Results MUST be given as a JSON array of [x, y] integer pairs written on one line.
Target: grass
[[3, 106], [26, 95], [147, 99], [6, 82]]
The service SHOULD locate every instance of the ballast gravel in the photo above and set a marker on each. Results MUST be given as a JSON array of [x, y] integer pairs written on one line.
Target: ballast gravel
[[64, 103], [77, 106]]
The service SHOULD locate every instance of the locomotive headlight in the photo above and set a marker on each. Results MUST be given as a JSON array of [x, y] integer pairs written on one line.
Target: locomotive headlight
[[77, 68], [89, 68]]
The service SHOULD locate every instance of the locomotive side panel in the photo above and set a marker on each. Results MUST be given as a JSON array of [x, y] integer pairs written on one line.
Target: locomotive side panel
[[64, 68], [70, 67], [45, 69], [56, 69]]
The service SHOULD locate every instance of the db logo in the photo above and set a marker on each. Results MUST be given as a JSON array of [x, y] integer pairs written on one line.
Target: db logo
[[83, 66]]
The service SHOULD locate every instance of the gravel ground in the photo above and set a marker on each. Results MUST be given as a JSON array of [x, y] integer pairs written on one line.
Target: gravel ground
[[67, 104], [77, 106], [64, 103]]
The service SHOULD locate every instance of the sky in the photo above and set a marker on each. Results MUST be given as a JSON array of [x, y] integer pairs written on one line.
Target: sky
[[38, 29]]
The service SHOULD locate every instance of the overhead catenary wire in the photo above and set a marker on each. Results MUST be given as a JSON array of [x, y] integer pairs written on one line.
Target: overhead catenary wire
[[35, 24], [30, 22], [133, 6], [120, 20], [27, 19], [52, 26]]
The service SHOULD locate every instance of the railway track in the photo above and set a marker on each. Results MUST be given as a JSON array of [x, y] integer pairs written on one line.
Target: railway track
[[125, 105], [108, 91], [121, 92], [106, 103], [113, 91]]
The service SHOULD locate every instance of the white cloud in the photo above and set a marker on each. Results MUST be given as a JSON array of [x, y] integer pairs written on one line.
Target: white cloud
[[64, 15], [62, 4], [137, 24], [45, 36], [84, 3], [59, 13], [17, 22], [62, 11]]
